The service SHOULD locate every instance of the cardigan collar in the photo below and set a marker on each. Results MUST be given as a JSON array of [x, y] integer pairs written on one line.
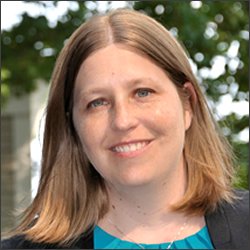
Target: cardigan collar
[[218, 229]]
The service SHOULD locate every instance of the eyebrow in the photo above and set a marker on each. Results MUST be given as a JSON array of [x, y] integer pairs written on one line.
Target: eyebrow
[[96, 90]]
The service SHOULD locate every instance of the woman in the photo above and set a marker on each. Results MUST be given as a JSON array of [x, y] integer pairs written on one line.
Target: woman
[[132, 157]]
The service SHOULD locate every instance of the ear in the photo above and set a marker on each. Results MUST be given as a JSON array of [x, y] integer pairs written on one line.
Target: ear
[[190, 103], [192, 96]]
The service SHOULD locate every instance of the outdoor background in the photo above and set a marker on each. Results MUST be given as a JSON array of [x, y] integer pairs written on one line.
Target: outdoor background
[[215, 34]]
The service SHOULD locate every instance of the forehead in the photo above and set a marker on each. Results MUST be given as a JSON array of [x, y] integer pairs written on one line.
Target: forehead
[[116, 63]]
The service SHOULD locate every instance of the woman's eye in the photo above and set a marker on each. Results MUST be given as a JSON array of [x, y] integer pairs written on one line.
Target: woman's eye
[[97, 103], [143, 92]]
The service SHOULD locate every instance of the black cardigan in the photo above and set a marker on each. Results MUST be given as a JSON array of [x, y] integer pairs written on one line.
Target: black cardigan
[[228, 227]]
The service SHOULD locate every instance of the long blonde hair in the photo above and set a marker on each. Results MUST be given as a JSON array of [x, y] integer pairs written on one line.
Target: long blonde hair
[[72, 196]]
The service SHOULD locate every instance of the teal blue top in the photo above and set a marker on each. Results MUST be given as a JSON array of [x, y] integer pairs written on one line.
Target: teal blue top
[[200, 240]]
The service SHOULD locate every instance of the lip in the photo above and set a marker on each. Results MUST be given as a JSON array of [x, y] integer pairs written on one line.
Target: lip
[[131, 153]]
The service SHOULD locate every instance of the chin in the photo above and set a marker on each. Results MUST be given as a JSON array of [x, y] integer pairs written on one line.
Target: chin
[[135, 180]]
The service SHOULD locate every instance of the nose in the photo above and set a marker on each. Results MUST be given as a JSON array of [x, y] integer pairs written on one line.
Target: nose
[[124, 116]]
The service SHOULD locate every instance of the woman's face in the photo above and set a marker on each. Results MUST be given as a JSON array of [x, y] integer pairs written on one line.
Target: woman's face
[[129, 117]]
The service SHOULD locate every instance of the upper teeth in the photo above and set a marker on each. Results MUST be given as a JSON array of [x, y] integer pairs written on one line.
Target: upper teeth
[[130, 147]]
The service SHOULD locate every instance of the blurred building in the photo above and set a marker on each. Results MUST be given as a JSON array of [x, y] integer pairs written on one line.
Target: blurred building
[[19, 127]]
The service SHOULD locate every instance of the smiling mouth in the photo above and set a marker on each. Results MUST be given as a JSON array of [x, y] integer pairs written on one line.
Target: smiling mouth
[[130, 147]]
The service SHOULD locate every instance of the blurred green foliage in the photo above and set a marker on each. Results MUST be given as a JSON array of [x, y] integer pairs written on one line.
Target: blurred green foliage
[[207, 29]]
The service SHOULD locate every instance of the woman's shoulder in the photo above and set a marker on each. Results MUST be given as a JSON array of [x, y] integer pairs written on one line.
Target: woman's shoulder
[[240, 206], [84, 241], [227, 225], [15, 242], [20, 242], [235, 211]]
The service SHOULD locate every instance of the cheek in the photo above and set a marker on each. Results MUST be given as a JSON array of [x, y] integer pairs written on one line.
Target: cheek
[[165, 118], [82, 130], [90, 133], [87, 137]]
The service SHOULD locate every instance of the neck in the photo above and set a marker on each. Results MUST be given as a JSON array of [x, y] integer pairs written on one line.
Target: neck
[[137, 204], [137, 211]]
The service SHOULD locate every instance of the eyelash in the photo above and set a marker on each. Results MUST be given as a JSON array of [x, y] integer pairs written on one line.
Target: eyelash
[[92, 103], [150, 91], [137, 91]]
